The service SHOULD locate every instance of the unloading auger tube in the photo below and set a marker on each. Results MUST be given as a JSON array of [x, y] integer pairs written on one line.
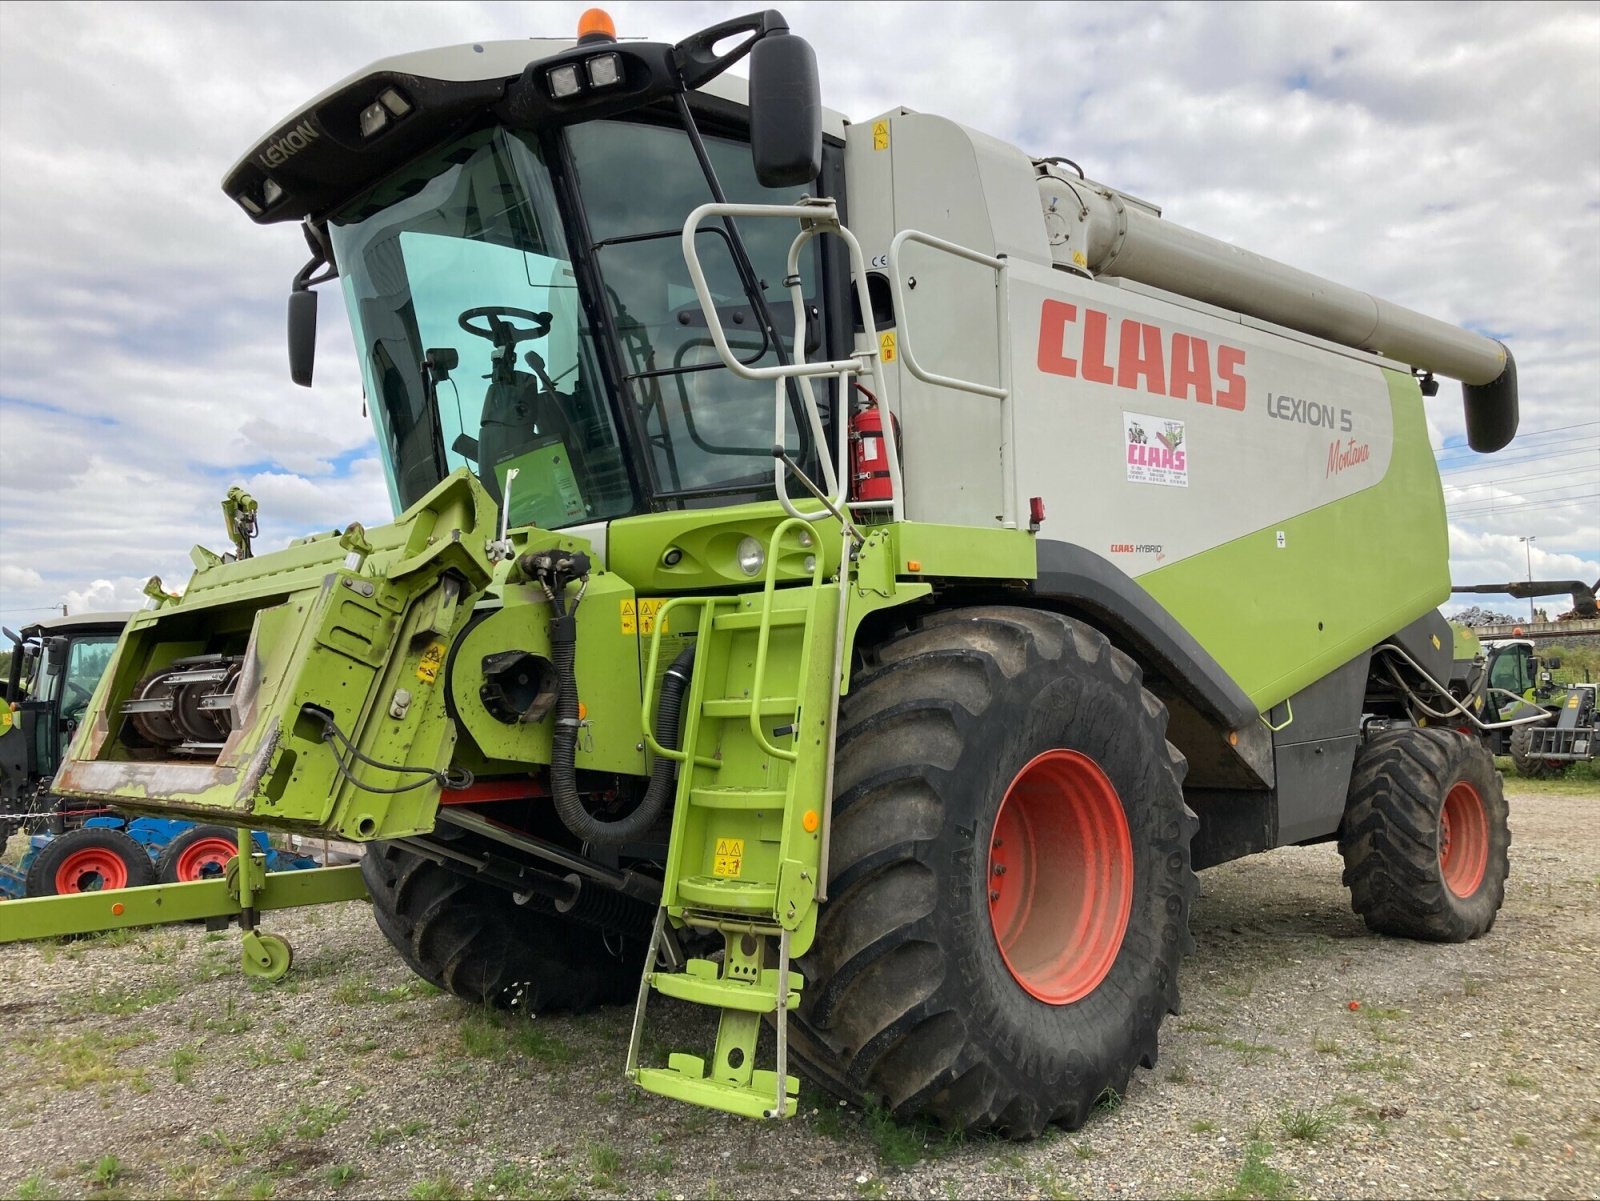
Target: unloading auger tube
[[1107, 234]]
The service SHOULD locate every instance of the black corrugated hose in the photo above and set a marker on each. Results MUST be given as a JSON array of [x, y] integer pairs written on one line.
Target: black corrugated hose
[[564, 742]]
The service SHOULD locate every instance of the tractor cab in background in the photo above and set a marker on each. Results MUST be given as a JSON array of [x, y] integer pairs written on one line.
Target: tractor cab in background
[[55, 666]]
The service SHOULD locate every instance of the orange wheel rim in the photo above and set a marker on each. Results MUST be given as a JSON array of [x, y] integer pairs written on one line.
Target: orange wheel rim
[[92, 869], [204, 859], [1060, 877], [1463, 840]]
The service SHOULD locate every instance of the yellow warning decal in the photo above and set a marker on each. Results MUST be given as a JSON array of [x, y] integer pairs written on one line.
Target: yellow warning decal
[[880, 135], [1572, 701], [729, 859], [886, 347], [430, 663], [6, 720], [639, 617]]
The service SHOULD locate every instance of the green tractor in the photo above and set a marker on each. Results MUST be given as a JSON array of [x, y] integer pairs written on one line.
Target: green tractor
[[55, 665], [1544, 727], [848, 576]]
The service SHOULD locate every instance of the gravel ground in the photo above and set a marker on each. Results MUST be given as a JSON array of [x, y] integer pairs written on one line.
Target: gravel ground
[[143, 1065]]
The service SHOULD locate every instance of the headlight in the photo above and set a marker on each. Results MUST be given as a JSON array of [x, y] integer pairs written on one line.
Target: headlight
[[752, 556]]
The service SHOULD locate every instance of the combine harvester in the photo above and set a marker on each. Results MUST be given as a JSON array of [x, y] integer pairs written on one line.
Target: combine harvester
[[846, 575]]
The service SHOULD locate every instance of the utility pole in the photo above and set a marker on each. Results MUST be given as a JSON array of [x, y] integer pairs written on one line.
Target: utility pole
[[1527, 545]]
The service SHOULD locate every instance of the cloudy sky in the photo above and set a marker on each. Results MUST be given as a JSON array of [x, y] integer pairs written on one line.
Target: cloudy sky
[[1444, 156]]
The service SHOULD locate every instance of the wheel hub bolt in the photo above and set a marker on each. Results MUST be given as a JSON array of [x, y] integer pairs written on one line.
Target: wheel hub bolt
[[994, 894], [999, 869]]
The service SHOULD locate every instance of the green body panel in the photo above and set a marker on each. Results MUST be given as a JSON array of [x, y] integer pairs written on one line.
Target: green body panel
[[1466, 644], [1279, 618], [709, 541], [158, 904], [357, 627], [608, 670], [964, 552]]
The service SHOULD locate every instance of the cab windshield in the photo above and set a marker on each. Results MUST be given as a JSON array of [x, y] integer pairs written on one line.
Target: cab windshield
[[478, 348]]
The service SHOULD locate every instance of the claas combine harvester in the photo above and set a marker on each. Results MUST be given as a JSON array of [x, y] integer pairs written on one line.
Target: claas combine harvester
[[846, 575]]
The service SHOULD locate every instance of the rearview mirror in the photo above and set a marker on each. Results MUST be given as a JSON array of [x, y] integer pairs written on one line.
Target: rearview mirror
[[302, 336], [57, 656], [785, 111]]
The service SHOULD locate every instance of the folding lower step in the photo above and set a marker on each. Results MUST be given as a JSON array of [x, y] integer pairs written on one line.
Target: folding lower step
[[743, 990]]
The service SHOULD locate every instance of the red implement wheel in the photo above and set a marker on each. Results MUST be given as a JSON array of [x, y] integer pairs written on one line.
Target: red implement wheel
[[199, 853], [1425, 838], [89, 859], [1060, 876]]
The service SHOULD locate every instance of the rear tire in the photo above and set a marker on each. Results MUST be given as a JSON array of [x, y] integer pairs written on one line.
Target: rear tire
[[1425, 838], [931, 988], [472, 939], [88, 859]]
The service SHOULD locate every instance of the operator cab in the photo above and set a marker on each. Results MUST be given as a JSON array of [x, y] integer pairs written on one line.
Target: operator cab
[[516, 281]]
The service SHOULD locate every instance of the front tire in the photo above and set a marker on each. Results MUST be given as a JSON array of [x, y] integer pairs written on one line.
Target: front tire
[[1425, 838], [1010, 882], [1523, 760], [472, 939]]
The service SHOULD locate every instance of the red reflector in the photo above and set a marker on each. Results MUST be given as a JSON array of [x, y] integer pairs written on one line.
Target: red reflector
[[1036, 509]]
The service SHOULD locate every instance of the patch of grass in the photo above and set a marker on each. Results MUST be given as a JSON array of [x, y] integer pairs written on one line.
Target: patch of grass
[[1390, 1067], [482, 1036], [295, 1049], [1109, 1101], [1250, 1049], [313, 1121], [183, 1061], [34, 1189], [74, 1061], [1323, 1044], [872, 1189], [261, 1188], [604, 1163], [231, 1020], [1258, 1180], [119, 1002], [1197, 1026], [341, 1174], [1519, 1139], [1083, 1150], [1308, 1125], [898, 1145], [1203, 1126], [105, 1172], [353, 992], [532, 1042], [1471, 986], [1520, 1080], [440, 1188]]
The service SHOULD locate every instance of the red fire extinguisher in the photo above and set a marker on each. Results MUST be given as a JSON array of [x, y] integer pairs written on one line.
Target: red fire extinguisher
[[869, 457]]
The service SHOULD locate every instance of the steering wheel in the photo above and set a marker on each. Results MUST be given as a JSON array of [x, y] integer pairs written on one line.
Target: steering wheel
[[499, 330]]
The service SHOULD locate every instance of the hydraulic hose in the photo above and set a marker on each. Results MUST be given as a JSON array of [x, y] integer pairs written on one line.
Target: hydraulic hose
[[563, 771]]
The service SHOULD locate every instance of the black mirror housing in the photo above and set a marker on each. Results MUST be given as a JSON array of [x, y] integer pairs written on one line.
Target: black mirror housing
[[302, 336], [785, 111]]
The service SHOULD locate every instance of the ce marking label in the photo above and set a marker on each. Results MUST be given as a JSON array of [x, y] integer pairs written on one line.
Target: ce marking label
[[880, 261]]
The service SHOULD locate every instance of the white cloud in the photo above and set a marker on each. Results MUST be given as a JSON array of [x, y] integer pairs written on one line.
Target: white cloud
[[121, 595], [1444, 156]]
